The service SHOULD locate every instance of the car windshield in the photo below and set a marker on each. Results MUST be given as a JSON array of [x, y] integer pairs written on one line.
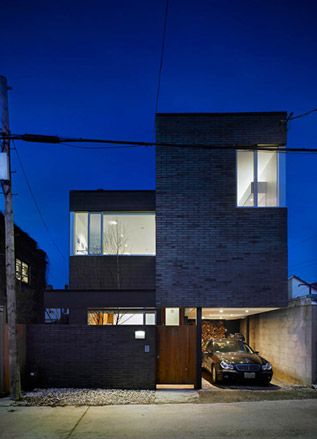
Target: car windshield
[[231, 346]]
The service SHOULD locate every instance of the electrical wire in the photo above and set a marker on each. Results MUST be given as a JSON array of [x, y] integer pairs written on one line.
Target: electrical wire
[[36, 203], [299, 116], [39, 138]]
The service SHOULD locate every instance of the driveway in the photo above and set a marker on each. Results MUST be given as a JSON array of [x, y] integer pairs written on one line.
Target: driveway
[[267, 419]]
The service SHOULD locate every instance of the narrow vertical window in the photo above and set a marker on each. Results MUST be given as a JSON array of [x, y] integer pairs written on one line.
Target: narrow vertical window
[[95, 233], [245, 178], [81, 233], [267, 178], [171, 316]]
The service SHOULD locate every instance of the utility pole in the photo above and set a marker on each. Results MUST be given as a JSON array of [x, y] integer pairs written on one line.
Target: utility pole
[[15, 381]]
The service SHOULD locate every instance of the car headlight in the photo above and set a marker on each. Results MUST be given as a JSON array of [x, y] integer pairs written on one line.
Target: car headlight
[[267, 366], [225, 365]]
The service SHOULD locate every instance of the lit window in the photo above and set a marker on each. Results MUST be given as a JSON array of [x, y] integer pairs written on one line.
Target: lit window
[[95, 233], [120, 317], [129, 234], [18, 269], [114, 233], [81, 233], [22, 271], [150, 318], [257, 179], [171, 316]]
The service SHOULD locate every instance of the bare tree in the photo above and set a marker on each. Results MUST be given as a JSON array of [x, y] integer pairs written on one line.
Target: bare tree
[[115, 243]]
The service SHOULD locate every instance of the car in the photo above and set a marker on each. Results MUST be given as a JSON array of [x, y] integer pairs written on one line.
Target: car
[[233, 360]]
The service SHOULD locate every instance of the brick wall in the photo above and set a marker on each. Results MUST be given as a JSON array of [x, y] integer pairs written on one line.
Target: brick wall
[[112, 201], [99, 272], [87, 356], [209, 252]]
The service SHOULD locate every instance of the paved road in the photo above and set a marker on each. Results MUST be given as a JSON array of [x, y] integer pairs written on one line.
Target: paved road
[[268, 419]]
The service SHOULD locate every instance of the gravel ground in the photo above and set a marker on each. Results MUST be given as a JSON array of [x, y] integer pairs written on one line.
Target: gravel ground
[[91, 397]]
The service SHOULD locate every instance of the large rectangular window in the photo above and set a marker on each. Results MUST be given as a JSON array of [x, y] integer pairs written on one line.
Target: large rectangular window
[[257, 178], [114, 233], [102, 317]]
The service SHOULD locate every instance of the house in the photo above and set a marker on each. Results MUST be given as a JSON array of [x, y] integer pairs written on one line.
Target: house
[[30, 265], [153, 273], [298, 287]]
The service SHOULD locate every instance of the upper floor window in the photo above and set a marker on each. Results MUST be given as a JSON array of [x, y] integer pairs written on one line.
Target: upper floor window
[[97, 233], [257, 179], [22, 271]]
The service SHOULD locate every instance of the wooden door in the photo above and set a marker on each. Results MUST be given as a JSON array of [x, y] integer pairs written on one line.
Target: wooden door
[[176, 355]]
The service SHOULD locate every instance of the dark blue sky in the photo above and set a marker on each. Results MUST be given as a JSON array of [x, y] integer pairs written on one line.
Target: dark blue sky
[[89, 68]]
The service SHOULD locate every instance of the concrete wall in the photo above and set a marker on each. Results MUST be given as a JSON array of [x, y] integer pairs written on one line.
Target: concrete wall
[[287, 338], [209, 252], [90, 356]]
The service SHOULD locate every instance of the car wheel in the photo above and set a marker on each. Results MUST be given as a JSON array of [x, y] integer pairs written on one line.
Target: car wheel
[[214, 377]]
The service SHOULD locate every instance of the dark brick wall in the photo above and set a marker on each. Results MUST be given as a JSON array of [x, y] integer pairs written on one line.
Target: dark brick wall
[[87, 356], [103, 200], [78, 301], [209, 252], [30, 297], [99, 272]]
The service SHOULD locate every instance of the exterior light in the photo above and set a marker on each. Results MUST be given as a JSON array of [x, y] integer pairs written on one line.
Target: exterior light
[[221, 310], [139, 334]]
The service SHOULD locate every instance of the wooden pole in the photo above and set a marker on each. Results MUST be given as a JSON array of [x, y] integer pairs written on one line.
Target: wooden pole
[[198, 347], [15, 382]]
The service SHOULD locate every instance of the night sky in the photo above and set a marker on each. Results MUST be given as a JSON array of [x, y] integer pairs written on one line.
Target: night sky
[[90, 68]]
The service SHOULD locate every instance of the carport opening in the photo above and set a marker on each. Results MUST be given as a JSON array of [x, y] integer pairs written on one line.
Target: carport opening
[[223, 323]]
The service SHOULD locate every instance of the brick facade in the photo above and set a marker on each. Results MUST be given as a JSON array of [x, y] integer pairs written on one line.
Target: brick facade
[[99, 272], [209, 252], [90, 356]]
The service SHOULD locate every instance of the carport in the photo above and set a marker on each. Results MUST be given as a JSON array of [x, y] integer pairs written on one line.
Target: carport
[[219, 323]]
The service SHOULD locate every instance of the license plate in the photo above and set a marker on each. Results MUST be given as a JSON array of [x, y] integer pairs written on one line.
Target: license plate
[[249, 375]]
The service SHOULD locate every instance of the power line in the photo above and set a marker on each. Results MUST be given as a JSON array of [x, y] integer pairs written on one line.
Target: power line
[[39, 138], [299, 116], [36, 204], [161, 58]]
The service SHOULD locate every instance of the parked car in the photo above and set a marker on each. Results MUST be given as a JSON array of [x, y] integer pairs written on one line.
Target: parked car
[[230, 359]]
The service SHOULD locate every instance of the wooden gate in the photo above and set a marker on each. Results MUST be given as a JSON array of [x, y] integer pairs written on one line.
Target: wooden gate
[[176, 355]]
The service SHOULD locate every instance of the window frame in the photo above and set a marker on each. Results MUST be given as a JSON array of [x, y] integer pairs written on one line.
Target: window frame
[[255, 181], [140, 311], [103, 214]]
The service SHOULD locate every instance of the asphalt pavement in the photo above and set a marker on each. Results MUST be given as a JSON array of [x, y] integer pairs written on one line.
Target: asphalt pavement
[[263, 419]]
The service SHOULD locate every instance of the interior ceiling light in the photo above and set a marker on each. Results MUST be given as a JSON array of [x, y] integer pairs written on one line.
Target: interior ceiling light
[[246, 310], [113, 223], [221, 310]]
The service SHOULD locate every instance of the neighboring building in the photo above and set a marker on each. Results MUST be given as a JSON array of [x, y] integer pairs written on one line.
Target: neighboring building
[[298, 287], [210, 244], [30, 267]]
